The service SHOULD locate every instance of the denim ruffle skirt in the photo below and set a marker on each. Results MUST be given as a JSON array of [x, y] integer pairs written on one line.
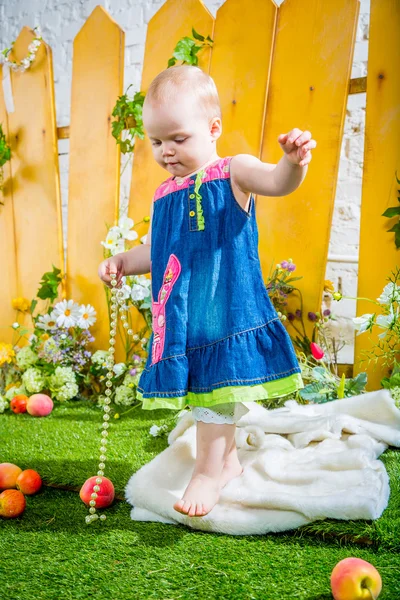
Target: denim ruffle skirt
[[216, 336]]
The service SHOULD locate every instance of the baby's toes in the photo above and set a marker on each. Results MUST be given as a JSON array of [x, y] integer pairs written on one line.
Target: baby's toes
[[192, 510], [179, 505], [186, 506], [200, 510]]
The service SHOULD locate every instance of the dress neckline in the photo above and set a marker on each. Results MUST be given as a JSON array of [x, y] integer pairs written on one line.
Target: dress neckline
[[175, 177]]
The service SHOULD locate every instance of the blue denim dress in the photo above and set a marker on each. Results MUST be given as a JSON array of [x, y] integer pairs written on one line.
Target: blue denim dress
[[216, 336]]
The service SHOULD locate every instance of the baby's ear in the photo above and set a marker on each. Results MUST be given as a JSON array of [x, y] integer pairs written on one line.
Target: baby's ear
[[216, 127]]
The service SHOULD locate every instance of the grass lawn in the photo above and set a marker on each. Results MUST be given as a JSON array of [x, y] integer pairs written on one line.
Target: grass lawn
[[51, 553]]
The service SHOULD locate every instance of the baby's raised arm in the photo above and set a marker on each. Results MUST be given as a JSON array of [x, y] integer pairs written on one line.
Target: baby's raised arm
[[266, 179]]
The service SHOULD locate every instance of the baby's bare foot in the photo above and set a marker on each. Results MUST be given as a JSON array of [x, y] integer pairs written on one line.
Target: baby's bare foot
[[201, 495], [231, 470]]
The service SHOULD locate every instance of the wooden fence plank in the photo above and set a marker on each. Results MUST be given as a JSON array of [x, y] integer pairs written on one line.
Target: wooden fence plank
[[33, 192], [307, 89], [378, 254], [9, 286], [94, 168]]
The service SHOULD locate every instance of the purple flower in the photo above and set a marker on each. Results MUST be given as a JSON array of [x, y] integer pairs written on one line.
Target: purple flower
[[290, 316], [312, 316], [326, 312], [284, 264], [291, 267], [132, 372], [298, 313]]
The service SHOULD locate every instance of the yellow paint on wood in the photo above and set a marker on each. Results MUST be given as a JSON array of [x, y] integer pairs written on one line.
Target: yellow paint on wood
[[8, 288], [33, 192], [93, 199], [307, 89], [379, 258]]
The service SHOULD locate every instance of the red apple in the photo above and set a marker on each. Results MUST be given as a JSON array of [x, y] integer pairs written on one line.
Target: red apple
[[18, 403], [29, 482], [105, 495], [8, 475], [12, 504], [39, 405], [352, 578]]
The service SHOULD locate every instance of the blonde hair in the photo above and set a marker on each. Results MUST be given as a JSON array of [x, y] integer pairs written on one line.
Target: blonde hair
[[191, 80]]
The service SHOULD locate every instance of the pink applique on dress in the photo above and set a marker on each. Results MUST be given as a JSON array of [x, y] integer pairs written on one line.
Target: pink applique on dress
[[171, 274]]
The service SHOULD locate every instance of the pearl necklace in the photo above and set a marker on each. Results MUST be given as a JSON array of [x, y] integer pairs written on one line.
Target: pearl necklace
[[116, 298]]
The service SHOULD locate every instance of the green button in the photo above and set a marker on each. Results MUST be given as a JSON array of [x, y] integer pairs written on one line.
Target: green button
[[192, 213], [192, 196]]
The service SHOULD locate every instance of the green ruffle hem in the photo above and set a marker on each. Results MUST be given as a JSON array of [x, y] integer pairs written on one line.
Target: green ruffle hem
[[236, 393]]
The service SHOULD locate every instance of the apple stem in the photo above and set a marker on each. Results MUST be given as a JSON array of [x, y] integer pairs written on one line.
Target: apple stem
[[370, 591]]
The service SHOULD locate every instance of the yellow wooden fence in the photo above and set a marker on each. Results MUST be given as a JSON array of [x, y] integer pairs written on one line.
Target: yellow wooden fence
[[275, 68]]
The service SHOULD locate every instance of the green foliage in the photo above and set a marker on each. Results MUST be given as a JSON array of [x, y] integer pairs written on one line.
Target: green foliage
[[325, 386], [394, 211], [394, 379], [186, 49], [129, 117], [5, 150], [49, 284]]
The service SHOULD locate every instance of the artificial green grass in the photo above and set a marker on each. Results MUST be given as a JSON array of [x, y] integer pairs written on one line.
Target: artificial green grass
[[50, 552]]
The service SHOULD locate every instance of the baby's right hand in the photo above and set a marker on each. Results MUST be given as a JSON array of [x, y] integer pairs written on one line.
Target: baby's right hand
[[114, 264]]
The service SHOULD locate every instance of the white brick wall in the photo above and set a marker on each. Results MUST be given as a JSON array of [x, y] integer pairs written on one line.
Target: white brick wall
[[60, 21]]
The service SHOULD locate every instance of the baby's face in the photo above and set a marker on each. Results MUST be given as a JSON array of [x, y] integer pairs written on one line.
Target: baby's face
[[181, 136]]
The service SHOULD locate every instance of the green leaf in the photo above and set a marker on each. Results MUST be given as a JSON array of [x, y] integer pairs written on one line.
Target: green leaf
[[392, 211], [196, 35]]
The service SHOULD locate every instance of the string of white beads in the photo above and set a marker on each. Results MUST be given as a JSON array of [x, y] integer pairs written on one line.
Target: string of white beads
[[116, 298]]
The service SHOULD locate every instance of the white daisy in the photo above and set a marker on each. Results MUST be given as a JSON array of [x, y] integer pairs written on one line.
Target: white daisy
[[47, 322], [87, 316], [67, 313]]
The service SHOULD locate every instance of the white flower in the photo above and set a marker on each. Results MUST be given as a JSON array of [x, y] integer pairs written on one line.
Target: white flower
[[25, 62], [15, 325], [362, 323], [67, 313], [48, 321], [119, 368], [114, 241], [141, 288], [387, 321], [125, 290], [125, 224], [154, 430], [99, 358], [87, 316], [391, 293]]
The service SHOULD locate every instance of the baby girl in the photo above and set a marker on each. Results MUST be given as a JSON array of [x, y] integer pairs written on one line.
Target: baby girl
[[217, 340]]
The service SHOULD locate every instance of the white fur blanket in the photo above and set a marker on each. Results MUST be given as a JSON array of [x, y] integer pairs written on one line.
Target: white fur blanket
[[302, 463]]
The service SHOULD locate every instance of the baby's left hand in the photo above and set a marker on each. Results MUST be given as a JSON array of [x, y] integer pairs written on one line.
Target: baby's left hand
[[297, 145]]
